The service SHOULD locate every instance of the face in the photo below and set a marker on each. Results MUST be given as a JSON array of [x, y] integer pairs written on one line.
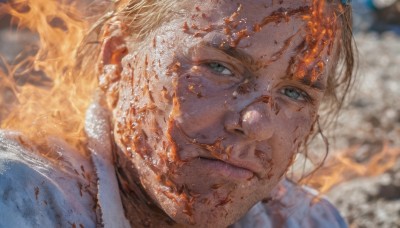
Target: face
[[213, 106]]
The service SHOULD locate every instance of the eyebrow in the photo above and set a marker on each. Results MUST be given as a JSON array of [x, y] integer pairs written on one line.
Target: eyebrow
[[230, 51], [317, 85], [246, 58]]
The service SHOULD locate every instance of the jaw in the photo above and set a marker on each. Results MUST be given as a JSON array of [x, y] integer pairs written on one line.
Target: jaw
[[203, 200]]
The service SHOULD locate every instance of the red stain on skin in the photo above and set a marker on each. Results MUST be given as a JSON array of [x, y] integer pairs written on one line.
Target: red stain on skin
[[322, 26], [198, 34], [185, 27], [195, 27], [280, 15], [216, 148], [208, 28], [277, 55], [238, 36], [231, 20], [173, 68], [195, 89], [321, 30], [216, 186], [231, 23], [144, 144], [173, 152], [224, 201], [179, 196], [228, 151]]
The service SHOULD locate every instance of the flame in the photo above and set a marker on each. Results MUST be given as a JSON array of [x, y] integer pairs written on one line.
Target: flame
[[57, 109], [342, 167]]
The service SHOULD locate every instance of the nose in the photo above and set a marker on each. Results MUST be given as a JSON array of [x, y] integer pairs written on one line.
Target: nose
[[254, 122]]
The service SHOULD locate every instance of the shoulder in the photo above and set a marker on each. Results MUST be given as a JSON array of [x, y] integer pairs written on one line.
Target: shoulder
[[35, 192], [303, 207], [293, 206]]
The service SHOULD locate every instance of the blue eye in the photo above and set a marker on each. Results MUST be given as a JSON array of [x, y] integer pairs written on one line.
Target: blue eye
[[295, 94], [219, 69]]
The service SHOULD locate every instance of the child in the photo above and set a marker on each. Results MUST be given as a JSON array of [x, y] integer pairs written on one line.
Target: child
[[202, 108]]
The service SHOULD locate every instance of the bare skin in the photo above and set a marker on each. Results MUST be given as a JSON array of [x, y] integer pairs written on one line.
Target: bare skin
[[212, 108]]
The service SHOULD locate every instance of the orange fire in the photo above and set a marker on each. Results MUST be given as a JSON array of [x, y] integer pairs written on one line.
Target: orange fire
[[343, 166], [59, 109]]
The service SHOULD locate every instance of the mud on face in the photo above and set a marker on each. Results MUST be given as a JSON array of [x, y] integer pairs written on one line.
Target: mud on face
[[212, 109]]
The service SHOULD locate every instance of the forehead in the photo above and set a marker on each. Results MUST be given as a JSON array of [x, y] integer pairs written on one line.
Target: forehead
[[254, 9], [298, 31], [296, 37], [248, 11]]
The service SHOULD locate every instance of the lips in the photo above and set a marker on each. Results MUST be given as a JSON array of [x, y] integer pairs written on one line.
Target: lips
[[218, 158], [226, 169]]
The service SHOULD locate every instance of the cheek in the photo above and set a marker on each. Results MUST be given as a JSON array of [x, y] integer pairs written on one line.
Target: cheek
[[296, 119], [143, 107], [202, 105], [295, 125], [296, 129]]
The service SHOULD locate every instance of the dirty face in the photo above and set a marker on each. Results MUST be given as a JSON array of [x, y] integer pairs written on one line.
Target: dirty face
[[214, 105]]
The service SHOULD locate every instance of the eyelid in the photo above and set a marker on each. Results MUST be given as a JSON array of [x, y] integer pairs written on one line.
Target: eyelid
[[236, 74], [203, 54], [233, 73], [307, 97]]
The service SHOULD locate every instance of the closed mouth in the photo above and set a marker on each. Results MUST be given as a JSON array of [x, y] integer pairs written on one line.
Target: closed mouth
[[216, 166]]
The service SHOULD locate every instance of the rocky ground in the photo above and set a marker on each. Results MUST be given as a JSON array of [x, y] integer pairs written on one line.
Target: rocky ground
[[372, 121]]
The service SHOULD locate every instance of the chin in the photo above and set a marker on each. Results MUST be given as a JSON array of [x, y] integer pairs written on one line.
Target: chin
[[215, 209], [209, 217]]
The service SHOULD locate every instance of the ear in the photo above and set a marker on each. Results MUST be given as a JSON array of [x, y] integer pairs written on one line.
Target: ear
[[113, 49]]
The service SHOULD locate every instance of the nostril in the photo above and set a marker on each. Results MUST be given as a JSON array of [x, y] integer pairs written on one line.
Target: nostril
[[241, 132]]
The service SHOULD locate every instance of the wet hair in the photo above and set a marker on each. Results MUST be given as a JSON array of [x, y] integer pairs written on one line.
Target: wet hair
[[341, 78]]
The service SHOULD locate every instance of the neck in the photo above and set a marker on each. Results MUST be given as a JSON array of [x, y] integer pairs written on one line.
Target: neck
[[140, 209]]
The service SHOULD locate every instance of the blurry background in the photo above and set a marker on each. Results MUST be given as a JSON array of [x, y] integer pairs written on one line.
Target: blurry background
[[370, 123], [369, 126]]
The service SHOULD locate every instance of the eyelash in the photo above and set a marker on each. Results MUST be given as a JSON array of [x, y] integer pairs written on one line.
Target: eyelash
[[304, 96], [213, 65]]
